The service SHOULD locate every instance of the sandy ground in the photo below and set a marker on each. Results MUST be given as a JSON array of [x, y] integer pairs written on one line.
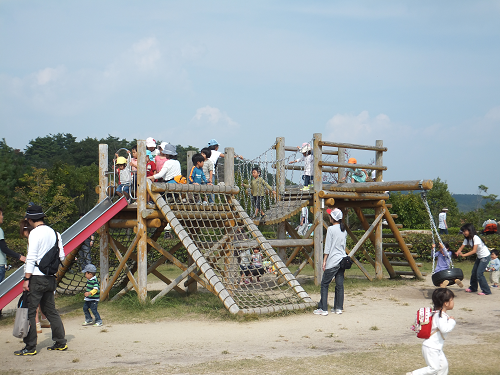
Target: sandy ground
[[372, 317]]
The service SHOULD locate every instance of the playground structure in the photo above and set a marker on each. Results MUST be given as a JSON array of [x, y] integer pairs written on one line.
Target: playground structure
[[220, 238]]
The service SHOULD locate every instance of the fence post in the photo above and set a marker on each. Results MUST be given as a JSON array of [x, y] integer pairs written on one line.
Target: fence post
[[341, 170], [378, 230], [280, 189], [318, 210], [142, 245], [229, 166]]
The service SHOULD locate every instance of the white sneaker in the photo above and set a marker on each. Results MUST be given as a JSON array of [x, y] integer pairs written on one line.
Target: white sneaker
[[338, 311], [320, 312], [87, 323]]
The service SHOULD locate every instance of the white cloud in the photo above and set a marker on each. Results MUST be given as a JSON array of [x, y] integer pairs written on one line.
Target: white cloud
[[146, 54], [49, 75], [213, 116]]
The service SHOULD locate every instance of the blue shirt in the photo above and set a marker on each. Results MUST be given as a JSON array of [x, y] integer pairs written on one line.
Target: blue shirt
[[197, 176], [443, 262], [494, 264]]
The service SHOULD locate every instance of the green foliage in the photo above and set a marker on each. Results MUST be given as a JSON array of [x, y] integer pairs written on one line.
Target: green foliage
[[438, 198], [410, 210]]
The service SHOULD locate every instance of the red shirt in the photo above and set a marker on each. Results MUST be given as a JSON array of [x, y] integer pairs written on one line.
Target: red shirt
[[150, 169]]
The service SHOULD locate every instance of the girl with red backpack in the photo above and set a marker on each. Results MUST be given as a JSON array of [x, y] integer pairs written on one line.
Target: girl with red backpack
[[442, 324]]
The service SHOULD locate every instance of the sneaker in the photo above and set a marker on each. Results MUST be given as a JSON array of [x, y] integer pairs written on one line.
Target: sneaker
[[25, 351], [482, 294], [87, 323], [98, 324], [57, 346], [468, 290], [495, 286], [305, 188], [338, 311], [38, 328], [320, 312], [44, 323]]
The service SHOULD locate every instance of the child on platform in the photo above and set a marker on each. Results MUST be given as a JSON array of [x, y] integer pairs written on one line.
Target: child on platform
[[258, 189], [160, 159], [196, 175], [91, 294], [208, 170], [494, 268], [308, 160], [442, 324], [355, 174], [171, 168], [124, 177]]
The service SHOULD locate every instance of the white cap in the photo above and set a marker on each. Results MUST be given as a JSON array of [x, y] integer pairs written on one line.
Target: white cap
[[163, 144], [336, 214], [150, 142]]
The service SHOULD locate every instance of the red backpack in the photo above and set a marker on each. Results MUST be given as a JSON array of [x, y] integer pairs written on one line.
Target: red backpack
[[423, 323]]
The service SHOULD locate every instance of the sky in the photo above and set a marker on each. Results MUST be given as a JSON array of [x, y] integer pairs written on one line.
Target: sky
[[423, 76]]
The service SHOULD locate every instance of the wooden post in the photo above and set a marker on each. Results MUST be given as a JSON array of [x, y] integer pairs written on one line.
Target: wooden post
[[189, 161], [280, 189], [142, 234], [341, 173], [318, 210], [104, 230], [378, 160], [378, 211], [229, 166]]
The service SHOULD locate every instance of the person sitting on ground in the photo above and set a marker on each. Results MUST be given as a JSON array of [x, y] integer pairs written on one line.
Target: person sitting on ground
[[308, 160], [494, 268], [258, 189], [355, 174], [124, 177], [171, 168], [91, 299], [160, 159]]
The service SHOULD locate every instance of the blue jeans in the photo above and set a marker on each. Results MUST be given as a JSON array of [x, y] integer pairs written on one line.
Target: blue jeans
[[328, 275], [443, 231], [92, 305], [2, 272], [478, 275], [307, 179]]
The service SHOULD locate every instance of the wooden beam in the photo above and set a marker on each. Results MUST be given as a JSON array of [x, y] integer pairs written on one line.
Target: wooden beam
[[132, 223], [355, 239], [317, 208], [174, 283], [361, 187], [361, 204], [350, 166], [297, 249], [352, 146], [352, 195], [366, 235], [104, 230]]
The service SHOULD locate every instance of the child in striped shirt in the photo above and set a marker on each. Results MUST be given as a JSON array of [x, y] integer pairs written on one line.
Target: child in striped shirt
[[91, 296]]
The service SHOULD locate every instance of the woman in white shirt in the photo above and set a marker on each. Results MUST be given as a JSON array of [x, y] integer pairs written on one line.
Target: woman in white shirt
[[483, 257]]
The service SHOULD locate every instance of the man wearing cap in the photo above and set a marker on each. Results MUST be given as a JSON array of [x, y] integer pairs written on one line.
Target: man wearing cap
[[39, 286], [443, 226]]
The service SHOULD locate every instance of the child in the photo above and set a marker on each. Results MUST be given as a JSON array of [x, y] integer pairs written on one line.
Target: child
[[257, 270], [245, 266], [213, 145], [493, 267], [443, 257], [308, 160], [304, 222], [356, 174], [151, 145], [483, 257], [91, 296], [133, 160], [196, 175], [171, 168], [258, 188], [334, 253], [208, 170], [442, 324], [125, 177], [160, 159]]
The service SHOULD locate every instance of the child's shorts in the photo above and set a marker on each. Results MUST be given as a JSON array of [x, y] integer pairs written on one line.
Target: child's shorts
[[256, 201], [495, 275], [123, 188]]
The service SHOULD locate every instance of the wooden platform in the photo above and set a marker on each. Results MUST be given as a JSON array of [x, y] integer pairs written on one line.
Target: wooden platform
[[281, 211]]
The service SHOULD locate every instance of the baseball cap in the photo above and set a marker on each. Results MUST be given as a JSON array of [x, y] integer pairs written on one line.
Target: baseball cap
[[352, 161], [89, 268], [335, 213]]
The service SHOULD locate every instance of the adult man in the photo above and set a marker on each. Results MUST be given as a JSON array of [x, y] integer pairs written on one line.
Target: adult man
[[443, 226], [39, 286]]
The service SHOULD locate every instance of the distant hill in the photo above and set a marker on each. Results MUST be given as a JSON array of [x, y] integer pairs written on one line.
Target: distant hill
[[469, 202]]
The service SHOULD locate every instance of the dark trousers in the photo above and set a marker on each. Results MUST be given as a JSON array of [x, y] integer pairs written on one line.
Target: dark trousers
[[42, 293], [328, 275], [92, 305], [477, 275]]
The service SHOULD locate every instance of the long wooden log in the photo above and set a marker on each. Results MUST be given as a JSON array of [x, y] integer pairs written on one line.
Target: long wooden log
[[301, 168], [160, 187], [361, 187], [359, 204], [174, 283], [131, 223], [347, 165], [368, 232], [352, 195], [365, 253], [352, 146]]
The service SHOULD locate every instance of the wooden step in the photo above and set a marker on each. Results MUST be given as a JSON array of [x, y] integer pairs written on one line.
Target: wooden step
[[408, 273], [400, 255], [403, 264], [372, 216], [391, 235], [397, 226], [393, 245]]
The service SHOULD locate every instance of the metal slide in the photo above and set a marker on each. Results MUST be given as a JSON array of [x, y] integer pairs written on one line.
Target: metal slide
[[72, 237]]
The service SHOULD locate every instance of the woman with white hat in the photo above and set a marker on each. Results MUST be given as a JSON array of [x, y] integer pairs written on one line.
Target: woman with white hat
[[334, 252]]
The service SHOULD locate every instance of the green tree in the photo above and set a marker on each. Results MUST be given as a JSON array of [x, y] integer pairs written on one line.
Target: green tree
[[410, 210], [440, 197], [43, 152]]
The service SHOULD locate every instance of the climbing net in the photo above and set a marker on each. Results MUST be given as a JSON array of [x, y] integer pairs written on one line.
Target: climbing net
[[282, 183], [231, 246]]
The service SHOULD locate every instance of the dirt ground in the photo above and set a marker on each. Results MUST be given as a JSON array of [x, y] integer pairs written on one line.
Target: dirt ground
[[373, 318]]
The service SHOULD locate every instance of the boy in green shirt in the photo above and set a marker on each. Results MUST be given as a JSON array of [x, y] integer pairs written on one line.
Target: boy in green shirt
[[258, 188], [91, 296]]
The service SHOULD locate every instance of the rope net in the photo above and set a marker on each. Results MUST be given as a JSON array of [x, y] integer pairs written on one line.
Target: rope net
[[236, 260]]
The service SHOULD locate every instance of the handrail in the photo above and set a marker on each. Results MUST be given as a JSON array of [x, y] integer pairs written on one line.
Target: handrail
[[352, 146]]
